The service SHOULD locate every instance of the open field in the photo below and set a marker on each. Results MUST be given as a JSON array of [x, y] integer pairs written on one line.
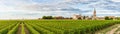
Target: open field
[[59, 26]]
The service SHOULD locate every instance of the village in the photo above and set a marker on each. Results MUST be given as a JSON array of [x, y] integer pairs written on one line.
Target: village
[[80, 17]]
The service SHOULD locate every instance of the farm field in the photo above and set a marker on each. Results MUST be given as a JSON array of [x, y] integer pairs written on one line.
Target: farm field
[[59, 27]]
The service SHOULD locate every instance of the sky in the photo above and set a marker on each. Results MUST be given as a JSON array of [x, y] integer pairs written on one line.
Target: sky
[[31, 9]]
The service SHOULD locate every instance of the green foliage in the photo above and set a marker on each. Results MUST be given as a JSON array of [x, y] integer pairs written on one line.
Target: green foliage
[[84, 17], [70, 26], [23, 30], [41, 30], [32, 30], [14, 30], [107, 18], [6, 29], [47, 17], [57, 26]]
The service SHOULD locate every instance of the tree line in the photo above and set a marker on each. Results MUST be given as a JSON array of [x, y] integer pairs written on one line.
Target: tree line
[[60, 17]]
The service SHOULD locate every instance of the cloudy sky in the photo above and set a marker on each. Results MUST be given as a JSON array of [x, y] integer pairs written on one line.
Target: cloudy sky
[[30, 9]]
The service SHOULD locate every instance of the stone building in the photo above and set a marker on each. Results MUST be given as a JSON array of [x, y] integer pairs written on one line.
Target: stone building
[[94, 15], [59, 17], [113, 17], [76, 17]]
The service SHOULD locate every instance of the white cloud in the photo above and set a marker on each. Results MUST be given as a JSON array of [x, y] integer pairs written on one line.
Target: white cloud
[[115, 0], [103, 12], [30, 9]]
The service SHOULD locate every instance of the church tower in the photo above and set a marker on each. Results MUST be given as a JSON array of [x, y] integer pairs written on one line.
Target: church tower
[[94, 14]]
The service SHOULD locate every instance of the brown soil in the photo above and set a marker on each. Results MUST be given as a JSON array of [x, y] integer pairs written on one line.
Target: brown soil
[[26, 30], [118, 32], [113, 30], [19, 29]]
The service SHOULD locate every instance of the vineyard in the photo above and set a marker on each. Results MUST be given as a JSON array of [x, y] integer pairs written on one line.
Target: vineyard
[[57, 26]]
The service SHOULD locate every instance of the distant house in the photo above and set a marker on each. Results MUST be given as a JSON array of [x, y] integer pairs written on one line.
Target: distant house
[[58, 17], [68, 18], [39, 18], [100, 18], [76, 17], [86, 17], [113, 17], [103, 18]]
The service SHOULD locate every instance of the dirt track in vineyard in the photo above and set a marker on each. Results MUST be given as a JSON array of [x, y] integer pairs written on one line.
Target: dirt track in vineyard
[[19, 29], [112, 31], [25, 29]]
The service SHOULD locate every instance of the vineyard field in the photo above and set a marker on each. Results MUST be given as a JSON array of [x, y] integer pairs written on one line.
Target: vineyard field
[[56, 26]]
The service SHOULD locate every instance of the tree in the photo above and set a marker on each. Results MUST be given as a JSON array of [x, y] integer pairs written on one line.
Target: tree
[[47, 17], [84, 17], [44, 17], [111, 18], [107, 18]]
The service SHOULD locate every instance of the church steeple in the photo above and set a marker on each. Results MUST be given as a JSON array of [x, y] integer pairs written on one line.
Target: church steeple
[[94, 14]]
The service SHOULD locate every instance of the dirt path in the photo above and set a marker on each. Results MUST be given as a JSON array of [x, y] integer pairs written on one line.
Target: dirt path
[[118, 32], [26, 30], [19, 29], [110, 30], [113, 30]]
